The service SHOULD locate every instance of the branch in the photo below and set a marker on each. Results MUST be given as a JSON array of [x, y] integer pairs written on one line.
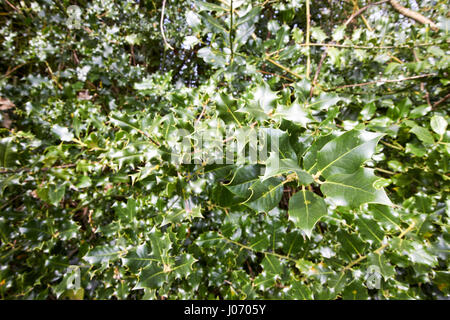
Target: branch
[[412, 14], [360, 11], [308, 25], [441, 101], [162, 27], [283, 68], [382, 81]]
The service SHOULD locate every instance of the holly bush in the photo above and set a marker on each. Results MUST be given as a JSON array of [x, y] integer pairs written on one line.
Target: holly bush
[[113, 184]]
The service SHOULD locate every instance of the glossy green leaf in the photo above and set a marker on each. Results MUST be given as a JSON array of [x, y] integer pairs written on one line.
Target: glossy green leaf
[[354, 189], [305, 209], [346, 153]]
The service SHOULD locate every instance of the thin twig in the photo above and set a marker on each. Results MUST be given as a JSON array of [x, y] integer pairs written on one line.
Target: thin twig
[[162, 27], [308, 26], [202, 113], [413, 15], [284, 68], [382, 81], [441, 101], [332, 44]]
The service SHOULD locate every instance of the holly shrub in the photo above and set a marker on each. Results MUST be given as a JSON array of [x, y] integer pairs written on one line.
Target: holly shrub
[[114, 184]]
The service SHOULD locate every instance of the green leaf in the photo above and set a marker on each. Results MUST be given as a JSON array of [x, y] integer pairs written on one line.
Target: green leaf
[[382, 266], [127, 212], [103, 254], [183, 266], [439, 125], [299, 291], [318, 34], [161, 245], [352, 244], [35, 230], [423, 134], [62, 132], [275, 166], [6, 153], [56, 193], [256, 194], [138, 258], [264, 97], [151, 277], [325, 101], [419, 111], [259, 242], [369, 229], [213, 24], [310, 157], [305, 209], [385, 214], [354, 189], [208, 6], [273, 271], [265, 195], [346, 153], [355, 291], [416, 149], [295, 113], [217, 59]]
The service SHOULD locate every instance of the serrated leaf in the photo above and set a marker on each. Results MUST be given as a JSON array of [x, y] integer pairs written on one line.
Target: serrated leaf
[[299, 291], [305, 209], [151, 277], [275, 166], [62, 132], [161, 245], [256, 194], [369, 229], [382, 266], [138, 258], [355, 291], [295, 113], [102, 254], [423, 134], [354, 189], [346, 153], [183, 266]]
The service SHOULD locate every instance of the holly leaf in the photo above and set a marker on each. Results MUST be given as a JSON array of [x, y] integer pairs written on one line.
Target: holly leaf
[[354, 189], [346, 153], [102, 254], [276, 166], [305, 209]]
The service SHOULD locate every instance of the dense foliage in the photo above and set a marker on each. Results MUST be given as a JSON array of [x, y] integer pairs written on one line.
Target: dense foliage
[[352, 203]]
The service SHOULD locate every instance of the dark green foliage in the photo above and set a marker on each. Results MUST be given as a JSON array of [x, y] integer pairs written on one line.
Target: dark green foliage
[[351, 204]]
